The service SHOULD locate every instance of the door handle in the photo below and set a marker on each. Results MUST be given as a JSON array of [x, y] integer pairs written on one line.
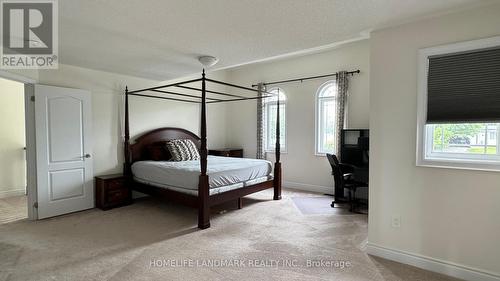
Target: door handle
[[86, 156]]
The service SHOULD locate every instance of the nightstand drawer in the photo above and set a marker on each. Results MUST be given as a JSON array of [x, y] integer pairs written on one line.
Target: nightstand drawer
[[236, 153], [116, 196], [227, 152], [116, 184]]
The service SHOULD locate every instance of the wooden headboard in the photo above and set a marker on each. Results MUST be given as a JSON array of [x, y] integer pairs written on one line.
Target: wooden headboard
[[139, 149]]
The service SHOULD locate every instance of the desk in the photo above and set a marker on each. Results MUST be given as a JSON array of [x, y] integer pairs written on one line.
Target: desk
[[361, 174]]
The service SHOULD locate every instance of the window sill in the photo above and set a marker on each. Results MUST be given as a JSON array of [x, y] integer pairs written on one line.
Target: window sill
[[460, 164], [318, 154], [272, 151]]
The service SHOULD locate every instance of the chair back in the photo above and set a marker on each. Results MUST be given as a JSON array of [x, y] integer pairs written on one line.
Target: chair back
[[336, 171]]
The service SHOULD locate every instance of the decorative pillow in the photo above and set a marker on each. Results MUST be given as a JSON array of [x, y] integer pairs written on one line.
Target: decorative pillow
[[157, 152], [183, 150]]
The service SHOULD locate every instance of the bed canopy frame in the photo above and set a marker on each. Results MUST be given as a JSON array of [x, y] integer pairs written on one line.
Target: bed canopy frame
[[204, 200]]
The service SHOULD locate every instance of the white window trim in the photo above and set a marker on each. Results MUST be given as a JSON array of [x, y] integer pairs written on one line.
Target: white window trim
[[316, 118], [284, 144], [422, 157]]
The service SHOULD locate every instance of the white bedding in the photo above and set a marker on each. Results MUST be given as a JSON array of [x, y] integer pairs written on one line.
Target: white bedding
[[222, 171]]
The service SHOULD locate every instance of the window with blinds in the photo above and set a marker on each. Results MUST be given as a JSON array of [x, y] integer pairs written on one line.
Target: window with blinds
[[464, 87], [459, 105]]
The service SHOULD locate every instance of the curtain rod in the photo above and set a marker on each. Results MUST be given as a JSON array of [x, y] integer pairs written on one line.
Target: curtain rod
[[307, 78]]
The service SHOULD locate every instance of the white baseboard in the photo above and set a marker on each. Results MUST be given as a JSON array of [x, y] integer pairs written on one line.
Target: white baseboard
[[13, 192], [308, 187], [432, 264]]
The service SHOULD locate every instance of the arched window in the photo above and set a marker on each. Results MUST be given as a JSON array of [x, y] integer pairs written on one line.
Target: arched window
[[270, 105], [326, 118]]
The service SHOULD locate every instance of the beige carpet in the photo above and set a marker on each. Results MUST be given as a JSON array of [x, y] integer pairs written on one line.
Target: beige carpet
[[151, 240], [13, 209]]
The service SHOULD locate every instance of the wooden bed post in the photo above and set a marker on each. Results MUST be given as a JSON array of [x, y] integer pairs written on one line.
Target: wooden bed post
[[203, 187], [277, 164], [126, 146]]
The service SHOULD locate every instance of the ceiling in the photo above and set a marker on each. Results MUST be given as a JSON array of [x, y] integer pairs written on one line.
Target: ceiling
[[161, 39]]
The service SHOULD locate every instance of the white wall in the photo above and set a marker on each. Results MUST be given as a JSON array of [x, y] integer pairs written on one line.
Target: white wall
[[145, 114], [12, 139], [301, 168], [446, 214]]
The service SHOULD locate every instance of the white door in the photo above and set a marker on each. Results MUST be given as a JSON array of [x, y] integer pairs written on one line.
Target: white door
[[63, 150]]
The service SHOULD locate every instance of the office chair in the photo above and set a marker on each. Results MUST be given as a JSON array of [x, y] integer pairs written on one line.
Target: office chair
[[343, 175]]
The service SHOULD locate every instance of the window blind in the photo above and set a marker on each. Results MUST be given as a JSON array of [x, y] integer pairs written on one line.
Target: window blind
[[464, 87]]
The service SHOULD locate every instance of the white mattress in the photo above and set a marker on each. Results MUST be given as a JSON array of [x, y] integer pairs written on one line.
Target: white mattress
[[212, 191], [222, 172]]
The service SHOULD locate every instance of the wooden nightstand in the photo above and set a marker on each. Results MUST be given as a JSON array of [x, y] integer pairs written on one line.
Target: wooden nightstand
[[111, 191], [227, 152]]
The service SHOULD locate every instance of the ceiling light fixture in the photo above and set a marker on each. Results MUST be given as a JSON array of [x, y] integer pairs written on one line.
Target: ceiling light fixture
[[208, 61]]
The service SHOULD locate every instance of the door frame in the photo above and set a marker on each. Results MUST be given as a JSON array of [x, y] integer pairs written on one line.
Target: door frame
[[29, 117]]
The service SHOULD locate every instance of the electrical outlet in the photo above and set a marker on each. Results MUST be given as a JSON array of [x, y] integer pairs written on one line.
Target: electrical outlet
[[396, 221]]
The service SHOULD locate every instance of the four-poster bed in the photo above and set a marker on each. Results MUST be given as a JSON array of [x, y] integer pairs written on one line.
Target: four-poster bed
[[202, 196]]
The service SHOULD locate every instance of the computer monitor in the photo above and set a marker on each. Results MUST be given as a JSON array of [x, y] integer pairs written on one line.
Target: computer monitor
[[355, 145]]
